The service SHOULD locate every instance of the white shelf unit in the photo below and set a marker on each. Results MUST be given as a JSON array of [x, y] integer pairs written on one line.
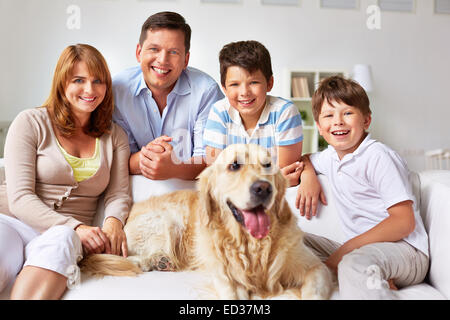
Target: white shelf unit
[[302, 98]]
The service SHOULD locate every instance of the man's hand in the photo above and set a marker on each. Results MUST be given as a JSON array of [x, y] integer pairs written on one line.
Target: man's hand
[[155, 159]]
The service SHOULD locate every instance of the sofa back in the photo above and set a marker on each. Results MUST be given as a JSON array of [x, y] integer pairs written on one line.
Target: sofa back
[[326, 223], [2, 171], [435, 211]]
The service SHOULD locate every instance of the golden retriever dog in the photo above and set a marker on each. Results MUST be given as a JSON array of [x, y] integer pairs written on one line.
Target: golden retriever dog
[[237, 226]]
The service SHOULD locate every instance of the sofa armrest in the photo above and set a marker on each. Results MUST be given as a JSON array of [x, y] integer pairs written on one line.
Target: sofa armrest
[[435, 212]]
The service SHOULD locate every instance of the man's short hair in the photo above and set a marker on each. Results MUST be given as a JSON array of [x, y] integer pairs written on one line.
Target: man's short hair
[[250, 55], [339, 89], [167, 20]]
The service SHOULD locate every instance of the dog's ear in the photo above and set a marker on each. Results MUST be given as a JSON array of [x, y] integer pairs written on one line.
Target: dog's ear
[[281, 207], [205, 198]]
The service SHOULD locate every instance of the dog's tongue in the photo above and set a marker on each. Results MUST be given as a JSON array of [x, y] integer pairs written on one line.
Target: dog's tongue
[[257, 222]]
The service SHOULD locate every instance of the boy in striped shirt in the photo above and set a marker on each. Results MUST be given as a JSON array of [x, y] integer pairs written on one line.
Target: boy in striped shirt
[[249, 115]]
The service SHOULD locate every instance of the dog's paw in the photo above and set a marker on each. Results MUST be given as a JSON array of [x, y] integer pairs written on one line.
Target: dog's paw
[[163, 264]]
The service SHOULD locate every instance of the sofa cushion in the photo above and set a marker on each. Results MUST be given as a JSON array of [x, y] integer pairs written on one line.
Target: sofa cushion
[[187, 285]]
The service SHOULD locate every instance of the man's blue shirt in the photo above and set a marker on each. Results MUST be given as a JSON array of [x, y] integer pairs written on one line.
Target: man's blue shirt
[[183, 118]]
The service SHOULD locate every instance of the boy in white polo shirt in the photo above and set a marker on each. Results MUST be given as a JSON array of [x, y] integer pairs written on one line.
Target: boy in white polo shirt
[[249, 115], [386, 243]]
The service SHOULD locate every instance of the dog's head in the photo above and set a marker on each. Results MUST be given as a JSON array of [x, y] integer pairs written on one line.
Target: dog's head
[[243, 190]]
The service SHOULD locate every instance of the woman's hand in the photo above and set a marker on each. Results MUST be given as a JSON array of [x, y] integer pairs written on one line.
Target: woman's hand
[[113, 229], [93, 239]]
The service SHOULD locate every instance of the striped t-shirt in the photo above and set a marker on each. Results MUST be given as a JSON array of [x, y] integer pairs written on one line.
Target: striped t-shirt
[[280, 124]]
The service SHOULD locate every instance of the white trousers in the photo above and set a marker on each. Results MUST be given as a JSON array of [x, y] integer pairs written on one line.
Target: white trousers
[[363, 274], [58, 249]]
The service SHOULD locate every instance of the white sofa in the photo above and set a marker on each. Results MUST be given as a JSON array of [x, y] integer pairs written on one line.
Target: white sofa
[[432, 188]]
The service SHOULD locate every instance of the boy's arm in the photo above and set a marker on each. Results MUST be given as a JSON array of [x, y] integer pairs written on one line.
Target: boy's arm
[[310, 191], [211, 154], [397, 226], [289, 162]]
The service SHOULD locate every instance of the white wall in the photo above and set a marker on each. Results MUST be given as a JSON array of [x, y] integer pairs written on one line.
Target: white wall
[[409, 55]]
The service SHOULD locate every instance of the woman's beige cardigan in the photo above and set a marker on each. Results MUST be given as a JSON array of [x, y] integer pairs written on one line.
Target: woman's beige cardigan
[[40, 187]]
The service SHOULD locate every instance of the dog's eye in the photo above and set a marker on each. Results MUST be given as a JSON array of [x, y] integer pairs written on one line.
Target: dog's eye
[[234, 166], [266, 165]]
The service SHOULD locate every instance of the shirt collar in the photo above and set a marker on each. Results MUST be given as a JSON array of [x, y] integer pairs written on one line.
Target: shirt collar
[[182, 86], [263, 118], [141, 85], [361, 148]]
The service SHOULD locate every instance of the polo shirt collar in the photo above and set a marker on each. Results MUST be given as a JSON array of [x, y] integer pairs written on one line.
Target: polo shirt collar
[[361, 148], [263, 118], [182, 86]]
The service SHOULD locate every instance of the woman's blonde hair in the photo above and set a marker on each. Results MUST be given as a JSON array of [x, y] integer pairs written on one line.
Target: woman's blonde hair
[[59, 107]]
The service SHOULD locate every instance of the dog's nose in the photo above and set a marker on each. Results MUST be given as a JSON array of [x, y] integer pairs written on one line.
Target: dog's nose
[[261, 189]]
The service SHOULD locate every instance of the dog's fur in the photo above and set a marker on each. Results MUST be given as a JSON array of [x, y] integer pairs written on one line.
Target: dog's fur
[[187, 230]]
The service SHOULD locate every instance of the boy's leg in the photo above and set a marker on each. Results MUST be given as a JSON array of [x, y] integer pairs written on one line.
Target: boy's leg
[[364, 272], [320, 246]]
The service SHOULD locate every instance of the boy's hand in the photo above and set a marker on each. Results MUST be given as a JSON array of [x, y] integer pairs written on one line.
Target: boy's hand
[[308, 194], [292, 173]]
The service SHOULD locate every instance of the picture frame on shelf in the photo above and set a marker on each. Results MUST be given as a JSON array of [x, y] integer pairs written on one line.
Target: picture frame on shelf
[[221, 1], [339, 4], [281, 2], [397, 5], [442, 6]]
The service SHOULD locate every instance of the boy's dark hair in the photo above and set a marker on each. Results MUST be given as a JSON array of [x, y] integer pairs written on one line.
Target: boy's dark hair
[[250, 55], [167, 20], [339, 89]]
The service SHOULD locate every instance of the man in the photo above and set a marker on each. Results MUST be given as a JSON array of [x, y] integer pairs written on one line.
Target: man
[[163, 104]]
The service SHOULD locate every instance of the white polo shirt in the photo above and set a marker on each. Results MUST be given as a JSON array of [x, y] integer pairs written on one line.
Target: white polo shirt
[[365, 184]]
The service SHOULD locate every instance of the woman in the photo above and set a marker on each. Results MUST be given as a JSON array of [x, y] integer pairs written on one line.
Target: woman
[[59, 160]]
